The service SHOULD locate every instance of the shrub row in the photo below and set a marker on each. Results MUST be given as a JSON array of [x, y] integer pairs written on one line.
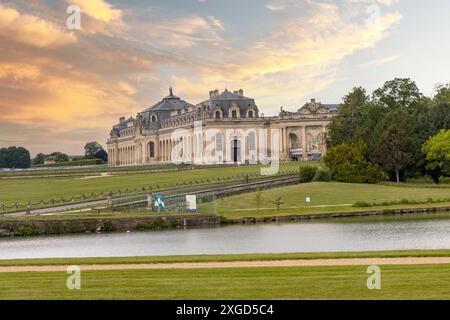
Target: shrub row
[[77, 163], [365, 204]]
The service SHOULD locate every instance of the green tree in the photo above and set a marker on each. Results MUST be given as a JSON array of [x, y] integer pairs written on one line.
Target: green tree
[[392, 149], [398, 93], [15, 157], [91, 148], [258, 199], [437, 151], [59, 156], [344, 126], [348, 163], [39, 159]]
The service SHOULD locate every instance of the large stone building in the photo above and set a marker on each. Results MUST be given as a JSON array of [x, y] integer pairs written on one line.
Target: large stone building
[[226, 128]]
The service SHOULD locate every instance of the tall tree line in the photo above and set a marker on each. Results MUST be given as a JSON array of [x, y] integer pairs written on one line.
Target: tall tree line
[[394, 122]]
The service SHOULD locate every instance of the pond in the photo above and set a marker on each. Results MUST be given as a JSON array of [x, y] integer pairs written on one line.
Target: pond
[[320, 236]]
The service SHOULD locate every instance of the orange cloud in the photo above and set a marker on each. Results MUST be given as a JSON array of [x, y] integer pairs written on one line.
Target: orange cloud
[[78, 84], [299, 58], [99, 9], [32, 30]]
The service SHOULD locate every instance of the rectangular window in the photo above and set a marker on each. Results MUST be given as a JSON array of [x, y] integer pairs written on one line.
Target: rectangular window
[[251, 141], [152, 150], [219, 142]]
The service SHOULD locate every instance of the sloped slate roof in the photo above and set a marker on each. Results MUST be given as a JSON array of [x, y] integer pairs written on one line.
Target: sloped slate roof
[[170, 103], [228, 95], [225, 99], [332, 107]]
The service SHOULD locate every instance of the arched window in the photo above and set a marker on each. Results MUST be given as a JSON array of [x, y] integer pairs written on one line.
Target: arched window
[[153, 118], [152, 149], [219, 142], [250, 114], [251, 141], [234, 114], [218, 114]]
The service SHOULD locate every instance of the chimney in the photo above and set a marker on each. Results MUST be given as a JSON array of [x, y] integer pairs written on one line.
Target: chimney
[[313, 100], [211, 94], [241, 92], [121, 119], [236, 92], [216, 93]]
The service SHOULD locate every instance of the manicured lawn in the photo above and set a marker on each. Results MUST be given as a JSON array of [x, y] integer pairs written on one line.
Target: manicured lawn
[[326, 197], [35, 189], [344, 282], [226, 257]]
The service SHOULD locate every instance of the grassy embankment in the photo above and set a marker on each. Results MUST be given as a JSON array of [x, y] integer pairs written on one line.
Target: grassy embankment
[[328, 198], [36, 189], [331, 282]]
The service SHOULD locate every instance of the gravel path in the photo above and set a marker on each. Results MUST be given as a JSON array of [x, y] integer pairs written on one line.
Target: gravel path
[[239, 264]]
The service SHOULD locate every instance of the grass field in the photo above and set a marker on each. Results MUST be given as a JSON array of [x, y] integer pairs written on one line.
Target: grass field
[[338, 282], [326, 197], [35, 189]]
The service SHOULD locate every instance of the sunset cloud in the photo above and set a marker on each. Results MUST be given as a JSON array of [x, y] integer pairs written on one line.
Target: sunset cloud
[[32, 30], [73, 86], [99, 9], [300, 55]]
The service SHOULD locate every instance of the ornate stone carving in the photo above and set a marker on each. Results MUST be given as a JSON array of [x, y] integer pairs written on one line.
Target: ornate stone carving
[[114, 134], [139, 123], [313, 108]]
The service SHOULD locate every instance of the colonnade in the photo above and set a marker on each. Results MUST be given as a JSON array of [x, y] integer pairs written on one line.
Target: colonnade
[[193, 147]]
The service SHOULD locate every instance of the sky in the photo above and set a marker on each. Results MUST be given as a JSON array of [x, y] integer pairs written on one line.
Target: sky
[[61, 87]]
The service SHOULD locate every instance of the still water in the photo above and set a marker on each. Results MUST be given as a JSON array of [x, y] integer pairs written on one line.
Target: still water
[[330, 236]]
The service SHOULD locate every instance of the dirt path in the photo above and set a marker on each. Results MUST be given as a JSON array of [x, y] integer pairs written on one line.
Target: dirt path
[[239, 264]]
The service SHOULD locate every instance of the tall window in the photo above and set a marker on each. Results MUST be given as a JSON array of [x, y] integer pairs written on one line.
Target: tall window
[[152, 149], [218, 115], [234, 114], [251, 141], [219, 142], [250, 114]]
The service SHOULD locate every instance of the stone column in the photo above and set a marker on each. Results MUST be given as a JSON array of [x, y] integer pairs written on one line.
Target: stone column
[[324, 147], [305, 151]]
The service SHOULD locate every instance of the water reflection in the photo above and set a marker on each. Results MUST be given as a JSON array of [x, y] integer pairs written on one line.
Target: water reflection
[[330, 236]]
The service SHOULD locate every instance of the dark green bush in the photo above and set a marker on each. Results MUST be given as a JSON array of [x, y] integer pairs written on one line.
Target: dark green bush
[[307, 173], [322, 175], [362, 204], [348, 163], [444, 180], [88, 162]]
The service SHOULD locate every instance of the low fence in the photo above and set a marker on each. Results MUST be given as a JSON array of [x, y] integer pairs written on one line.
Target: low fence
[[177, 202]]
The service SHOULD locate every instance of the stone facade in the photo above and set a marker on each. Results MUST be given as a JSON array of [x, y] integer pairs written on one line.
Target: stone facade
[[226, 128]]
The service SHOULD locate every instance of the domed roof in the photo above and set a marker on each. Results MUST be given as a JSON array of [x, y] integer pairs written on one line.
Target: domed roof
[[170, 103]]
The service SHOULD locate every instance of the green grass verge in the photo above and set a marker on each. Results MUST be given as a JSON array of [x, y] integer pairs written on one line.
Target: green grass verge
[[327, 197], [349, 282], [226, 257]]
